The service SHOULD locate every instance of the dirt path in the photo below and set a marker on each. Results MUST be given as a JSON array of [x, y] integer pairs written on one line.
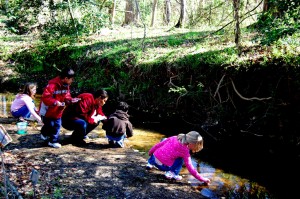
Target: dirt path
[[92, 171]]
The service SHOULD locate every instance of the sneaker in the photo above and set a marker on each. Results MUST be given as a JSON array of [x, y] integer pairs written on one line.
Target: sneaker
[[149, 166], [86, 137], [119, 144], [44, 137], [54, 145], [172, 175]]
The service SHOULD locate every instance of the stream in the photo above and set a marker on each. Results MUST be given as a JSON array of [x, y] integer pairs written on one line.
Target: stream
[[223, 184]]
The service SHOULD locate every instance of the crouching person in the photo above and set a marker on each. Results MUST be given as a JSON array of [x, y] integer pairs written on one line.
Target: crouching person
[[118, 126], [85, 115]]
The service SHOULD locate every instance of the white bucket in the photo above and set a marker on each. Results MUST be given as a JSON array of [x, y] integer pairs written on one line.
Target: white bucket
[[22, 128]]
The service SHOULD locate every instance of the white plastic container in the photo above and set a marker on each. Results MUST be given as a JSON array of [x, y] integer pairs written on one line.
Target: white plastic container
[[22, 128]]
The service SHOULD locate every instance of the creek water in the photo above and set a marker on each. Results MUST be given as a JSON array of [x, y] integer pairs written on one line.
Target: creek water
[[223, 184]]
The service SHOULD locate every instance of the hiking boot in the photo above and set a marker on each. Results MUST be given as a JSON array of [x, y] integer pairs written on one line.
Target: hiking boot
[[172, 175], [44, 137], [54, 145], [149, 166]]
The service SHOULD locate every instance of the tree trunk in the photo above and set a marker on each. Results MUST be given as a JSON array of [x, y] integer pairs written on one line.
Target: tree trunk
[[129, 13], [72, 17], [167, 14], [180, 23], [113, 13], [265, 6], [6, 6], [236, 6], [137, 12], [153, 12]]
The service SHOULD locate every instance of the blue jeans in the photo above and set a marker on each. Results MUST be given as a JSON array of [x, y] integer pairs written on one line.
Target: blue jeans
[[118, 140], [22, 112], [51, 128], [79, 126], [176, 167]]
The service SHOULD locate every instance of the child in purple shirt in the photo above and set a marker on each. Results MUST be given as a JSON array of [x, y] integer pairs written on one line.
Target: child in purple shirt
[[170, 154]]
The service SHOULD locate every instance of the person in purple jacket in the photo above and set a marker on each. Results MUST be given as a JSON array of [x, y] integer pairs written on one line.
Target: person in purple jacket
[[170, 154]]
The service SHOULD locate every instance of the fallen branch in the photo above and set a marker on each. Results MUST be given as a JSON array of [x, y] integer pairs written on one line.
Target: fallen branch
[[248, 99]]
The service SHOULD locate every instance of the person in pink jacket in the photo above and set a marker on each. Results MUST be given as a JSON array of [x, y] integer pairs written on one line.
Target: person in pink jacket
[[55, 98], [170, 154]]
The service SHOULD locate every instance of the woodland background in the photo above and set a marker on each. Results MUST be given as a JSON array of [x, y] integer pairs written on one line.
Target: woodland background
[[228, 68]]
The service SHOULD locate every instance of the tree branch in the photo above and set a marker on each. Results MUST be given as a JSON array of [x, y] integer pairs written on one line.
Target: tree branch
[[248, 99]]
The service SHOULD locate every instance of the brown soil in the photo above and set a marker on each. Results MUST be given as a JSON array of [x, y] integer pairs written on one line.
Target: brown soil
[[90, 171]]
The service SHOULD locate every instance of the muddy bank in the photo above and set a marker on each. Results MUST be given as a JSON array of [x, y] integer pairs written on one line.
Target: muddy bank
[[91, 171]]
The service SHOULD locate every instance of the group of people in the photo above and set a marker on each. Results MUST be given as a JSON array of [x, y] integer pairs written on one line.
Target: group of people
[[81, 114], [84, 113]]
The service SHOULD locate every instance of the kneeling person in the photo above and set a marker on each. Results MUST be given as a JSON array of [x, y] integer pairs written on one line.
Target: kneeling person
[[118, 126]]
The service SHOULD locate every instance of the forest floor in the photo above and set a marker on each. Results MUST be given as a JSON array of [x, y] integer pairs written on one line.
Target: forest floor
[[90, 171]]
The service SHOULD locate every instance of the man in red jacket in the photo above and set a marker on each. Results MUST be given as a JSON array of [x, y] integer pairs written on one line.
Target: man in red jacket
[[54, 99], [85, 115]]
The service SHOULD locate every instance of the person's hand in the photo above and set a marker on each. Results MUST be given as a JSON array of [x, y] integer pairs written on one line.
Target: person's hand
[[100, 117], [76, 99], [58, 103], [206, 180]]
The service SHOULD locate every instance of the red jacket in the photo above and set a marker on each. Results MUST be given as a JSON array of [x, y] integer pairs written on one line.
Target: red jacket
[[54, 91], [83, 109]]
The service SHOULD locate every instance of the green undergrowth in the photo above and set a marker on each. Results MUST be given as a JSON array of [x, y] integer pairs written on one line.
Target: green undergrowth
[[165, 68]]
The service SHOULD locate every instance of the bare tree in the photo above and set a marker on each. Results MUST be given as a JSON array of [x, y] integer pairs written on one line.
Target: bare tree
[[137, 12], [153, 12], [72, 17], [167, 14], [236, 6], [129, 13], [112, 11], [180, 23]]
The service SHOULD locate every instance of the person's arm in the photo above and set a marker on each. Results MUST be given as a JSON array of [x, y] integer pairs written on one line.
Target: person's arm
[[188, 163], [84, 109], [47, 96], [69, 100], [31, 107], [129, 131]]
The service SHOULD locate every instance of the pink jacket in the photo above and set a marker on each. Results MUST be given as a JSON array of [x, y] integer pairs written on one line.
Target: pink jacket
[[169, 150]]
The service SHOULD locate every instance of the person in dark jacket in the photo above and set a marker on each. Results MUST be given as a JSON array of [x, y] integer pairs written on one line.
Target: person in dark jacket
[[85, 115], [118, 126]]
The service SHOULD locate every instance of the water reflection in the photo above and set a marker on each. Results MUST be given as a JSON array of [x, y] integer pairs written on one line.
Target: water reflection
[[223, 185], [3, 106]]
